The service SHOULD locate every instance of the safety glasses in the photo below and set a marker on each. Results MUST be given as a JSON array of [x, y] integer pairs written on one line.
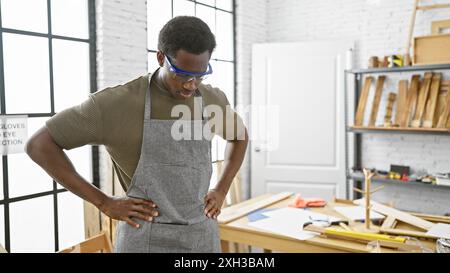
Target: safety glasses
[[186, 76]]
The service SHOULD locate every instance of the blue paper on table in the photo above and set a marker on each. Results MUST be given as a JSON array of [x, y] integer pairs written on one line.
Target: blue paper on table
[[258, 215]]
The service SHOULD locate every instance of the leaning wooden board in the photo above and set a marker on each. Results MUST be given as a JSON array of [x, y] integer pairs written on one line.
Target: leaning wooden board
[[446, 87], [444, 117], [410, 107], [230, 213], [422, 100], [390, 105], [401, 101], [376, 101], [363, 101], [432, 101], [397, 214], [440, 105]]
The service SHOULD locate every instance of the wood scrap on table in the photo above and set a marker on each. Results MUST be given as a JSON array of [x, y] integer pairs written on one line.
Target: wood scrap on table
[[397, 214], [231, 213]]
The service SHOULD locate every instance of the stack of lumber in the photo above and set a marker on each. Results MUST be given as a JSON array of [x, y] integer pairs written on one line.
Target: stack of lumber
[[423, 102]]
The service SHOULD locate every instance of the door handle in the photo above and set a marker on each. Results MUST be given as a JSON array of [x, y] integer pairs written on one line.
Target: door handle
[[257, 149]]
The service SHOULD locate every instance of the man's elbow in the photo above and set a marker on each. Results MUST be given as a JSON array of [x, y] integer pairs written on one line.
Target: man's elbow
[[32, 146], [37, 143]]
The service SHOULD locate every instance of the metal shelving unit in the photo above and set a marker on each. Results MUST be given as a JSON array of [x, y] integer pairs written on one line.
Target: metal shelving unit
[[399, 69], [360, 177], [398, 130], [359, 130]]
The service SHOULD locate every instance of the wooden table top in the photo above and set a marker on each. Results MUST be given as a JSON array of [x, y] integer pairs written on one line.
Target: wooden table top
[[240, 228]]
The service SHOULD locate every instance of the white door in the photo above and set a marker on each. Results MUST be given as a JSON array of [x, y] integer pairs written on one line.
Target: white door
[[302, 85]]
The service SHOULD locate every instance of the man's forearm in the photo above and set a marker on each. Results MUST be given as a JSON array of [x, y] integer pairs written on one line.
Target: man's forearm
[[234, 155], [47, 154]]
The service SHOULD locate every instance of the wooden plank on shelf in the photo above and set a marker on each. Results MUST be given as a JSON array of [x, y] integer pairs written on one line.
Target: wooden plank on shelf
[[440, 105], [389, 107], [359, 118], [445, 91], [411, 103], [376, 100], [401, 100], [230, 213], [397, 214], [444, 117], [431, 49], [432, 100], [422, 100]]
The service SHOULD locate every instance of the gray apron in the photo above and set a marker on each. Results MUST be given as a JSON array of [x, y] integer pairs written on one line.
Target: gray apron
[[175, 175]]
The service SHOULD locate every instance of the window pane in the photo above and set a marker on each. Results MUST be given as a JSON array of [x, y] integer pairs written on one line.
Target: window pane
[[25, 176], [70, 18], [81, 159], [208, 2], [152, 62], [158, 13], [70, 220], [71, 73], [2, 225], [32, 225], [27, 77], [208, 15], [223, 78], [224, 37], [183, 7], [28, 15], [225, 4]]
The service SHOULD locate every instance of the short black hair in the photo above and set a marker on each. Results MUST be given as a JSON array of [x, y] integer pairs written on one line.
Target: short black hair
[[188, 33]]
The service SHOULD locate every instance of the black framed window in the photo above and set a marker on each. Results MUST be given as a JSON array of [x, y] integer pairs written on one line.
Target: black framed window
[[47, 64], [220, 17]]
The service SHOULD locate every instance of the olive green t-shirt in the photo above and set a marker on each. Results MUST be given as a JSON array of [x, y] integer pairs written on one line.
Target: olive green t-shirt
[[114, 117]]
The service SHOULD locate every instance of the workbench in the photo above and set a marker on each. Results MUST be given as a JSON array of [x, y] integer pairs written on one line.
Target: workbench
[[238, 231]]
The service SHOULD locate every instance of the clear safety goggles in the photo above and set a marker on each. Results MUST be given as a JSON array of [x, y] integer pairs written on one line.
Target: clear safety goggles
[[186, 76]]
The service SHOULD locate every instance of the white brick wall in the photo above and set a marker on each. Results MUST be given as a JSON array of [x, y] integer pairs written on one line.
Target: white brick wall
[[121, 41], [121, 48], [379, 27], [251, 27]]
